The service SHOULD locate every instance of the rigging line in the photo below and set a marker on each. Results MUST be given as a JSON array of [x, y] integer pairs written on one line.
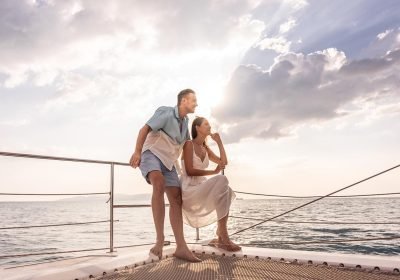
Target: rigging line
[[319, 222], [315, 200], [57, 225], [321, 241], [314, 196]]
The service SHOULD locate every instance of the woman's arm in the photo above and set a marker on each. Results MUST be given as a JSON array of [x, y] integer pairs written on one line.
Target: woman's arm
[[213, 157], [188, 159]]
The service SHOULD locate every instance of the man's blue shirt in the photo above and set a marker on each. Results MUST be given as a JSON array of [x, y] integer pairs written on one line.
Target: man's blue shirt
[[167, 119]]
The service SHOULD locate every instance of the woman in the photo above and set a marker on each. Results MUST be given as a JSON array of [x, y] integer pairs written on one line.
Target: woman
[[206, 200]]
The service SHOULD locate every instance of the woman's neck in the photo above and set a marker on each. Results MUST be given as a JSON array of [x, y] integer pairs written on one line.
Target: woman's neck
[[199, 140]]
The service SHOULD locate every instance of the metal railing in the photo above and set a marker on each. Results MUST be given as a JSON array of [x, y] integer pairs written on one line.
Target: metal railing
[[112, 164], [110, 193], [111, 221]]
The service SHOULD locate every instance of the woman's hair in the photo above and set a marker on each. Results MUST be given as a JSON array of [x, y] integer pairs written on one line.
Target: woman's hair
[[197, 122]]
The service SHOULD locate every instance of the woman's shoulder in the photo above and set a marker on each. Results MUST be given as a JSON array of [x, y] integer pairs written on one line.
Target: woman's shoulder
[[188, 146], [188, 143]]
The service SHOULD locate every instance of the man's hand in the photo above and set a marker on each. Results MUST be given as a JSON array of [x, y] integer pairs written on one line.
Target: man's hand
[[135, 159], [216, 137]]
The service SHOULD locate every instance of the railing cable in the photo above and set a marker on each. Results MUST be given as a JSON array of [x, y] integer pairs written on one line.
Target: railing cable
[[55, 193], [318, 222], [334, 241], [307, 242], [314, 196], [61, 158], [315, 200], [72, 251], [57, 225]]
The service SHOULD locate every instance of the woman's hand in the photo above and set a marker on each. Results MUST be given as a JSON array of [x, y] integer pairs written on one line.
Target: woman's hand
[[219, 167], [216, 137]]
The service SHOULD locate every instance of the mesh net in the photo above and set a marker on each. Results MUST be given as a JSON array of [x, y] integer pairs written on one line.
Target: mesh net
[[220, 267]]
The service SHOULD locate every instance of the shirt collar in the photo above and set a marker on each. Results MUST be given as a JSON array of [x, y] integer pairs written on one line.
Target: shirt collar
[[177, 114]]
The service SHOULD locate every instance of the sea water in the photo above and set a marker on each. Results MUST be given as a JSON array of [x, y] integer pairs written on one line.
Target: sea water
[[134, 226]]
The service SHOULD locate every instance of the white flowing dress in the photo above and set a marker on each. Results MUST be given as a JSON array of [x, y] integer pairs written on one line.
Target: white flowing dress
[[204, 201]]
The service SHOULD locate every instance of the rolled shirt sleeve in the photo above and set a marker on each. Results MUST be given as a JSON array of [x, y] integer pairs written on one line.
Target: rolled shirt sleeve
[[159, 119]]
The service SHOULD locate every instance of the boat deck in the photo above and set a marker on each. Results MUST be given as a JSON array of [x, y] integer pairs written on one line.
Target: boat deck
[[249, 263], [227, 267]]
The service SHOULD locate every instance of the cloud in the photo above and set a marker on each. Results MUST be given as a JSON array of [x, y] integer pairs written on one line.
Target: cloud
[[14, 123], [303, 89], [296, 4], [386, 40], [76, 88], [16, 78], [75, 65], [382, 35], [287, 26], [43, 39], [280, 19], [278, 44], [348, 26]]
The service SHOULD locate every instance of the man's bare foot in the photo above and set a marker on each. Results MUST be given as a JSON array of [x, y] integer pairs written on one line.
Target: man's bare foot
[[186, 255], [158, 249]]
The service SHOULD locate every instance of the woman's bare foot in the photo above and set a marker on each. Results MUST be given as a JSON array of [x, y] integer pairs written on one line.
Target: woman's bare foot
[[227, 245], [213, 242], [186, 254], [234, 247], [158, 249]]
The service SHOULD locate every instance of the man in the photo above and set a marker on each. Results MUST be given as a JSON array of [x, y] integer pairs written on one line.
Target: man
[[158, 146]]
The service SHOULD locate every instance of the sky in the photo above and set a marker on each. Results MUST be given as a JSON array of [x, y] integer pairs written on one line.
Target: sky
[[305, 94]]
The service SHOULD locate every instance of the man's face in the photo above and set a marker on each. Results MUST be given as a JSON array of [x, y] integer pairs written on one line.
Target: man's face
[[190, 102]]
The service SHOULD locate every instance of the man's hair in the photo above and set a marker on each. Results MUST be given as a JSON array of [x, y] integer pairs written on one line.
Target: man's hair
[[184, 93]]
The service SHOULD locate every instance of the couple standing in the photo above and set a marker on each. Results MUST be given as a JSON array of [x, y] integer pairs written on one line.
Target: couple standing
[[193, 197]]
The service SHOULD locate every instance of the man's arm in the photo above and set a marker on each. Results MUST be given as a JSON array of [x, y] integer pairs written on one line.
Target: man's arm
[[135, 158]]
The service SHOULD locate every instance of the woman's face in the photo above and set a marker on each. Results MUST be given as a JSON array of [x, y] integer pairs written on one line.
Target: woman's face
[[204, 128]]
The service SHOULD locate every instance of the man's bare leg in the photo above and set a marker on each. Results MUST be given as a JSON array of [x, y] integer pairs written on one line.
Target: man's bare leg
[[158, 208], [175, 215]]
